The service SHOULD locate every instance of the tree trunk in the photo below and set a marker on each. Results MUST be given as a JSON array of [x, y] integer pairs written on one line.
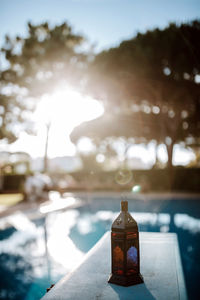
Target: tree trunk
[[170, 155], [156, 154], [45, 169], [170, 149], [156, 161]]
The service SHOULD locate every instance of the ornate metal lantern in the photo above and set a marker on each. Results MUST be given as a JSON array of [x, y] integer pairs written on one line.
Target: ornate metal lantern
[[125, 249]]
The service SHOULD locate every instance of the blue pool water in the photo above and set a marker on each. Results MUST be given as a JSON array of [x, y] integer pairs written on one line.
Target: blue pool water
[[31, 259]]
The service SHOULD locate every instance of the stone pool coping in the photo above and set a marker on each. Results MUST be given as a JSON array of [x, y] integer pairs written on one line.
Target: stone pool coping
[[160, 266]]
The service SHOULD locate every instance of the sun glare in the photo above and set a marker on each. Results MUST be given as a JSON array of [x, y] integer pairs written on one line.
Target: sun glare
[[67, 107], [64, 110]]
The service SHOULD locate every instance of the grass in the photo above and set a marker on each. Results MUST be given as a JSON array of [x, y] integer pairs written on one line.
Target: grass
[[10, 199]]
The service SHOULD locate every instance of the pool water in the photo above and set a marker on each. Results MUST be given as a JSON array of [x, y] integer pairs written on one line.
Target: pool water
[[33, 255]]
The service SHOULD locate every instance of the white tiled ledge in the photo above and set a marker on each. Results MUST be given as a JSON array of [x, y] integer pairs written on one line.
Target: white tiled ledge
[[160, 266]]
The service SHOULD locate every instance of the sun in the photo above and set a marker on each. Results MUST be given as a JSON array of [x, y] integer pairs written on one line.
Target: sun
[[63, 110], [67, 107]]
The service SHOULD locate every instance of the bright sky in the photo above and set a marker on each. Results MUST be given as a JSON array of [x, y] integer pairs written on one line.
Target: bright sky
[[105, 23]]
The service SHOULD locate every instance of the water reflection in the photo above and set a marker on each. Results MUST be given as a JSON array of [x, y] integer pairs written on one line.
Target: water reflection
[[60, 246], [29, 264], [187, 222]]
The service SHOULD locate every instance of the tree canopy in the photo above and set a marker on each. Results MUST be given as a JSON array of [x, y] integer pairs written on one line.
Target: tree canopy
[[37, 64], [150, 81], [156, 73]]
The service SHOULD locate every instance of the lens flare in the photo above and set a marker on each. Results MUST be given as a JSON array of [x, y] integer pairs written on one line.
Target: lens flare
[[123, 177]]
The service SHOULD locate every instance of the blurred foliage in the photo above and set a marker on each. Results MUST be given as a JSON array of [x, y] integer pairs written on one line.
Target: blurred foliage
[[36, 64], [152, 79], [14, 163], [149, 84], [89, 162], [157, 180], [12, 183]]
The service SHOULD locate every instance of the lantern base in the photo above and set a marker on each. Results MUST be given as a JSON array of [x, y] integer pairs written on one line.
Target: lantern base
[[125, 280]]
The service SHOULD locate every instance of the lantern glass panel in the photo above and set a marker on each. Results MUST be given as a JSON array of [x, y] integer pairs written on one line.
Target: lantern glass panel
[[132, 260], [118, 259], [132, 253]]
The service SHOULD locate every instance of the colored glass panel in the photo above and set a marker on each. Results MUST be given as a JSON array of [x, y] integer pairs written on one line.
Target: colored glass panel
[[132, 260], [118, 259], [131, 235], [118, 235], [132, 255]]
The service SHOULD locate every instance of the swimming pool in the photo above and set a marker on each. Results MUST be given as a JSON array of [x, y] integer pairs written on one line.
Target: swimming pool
[[32, 258]]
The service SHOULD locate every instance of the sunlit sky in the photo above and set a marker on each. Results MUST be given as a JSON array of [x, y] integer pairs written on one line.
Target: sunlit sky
[[105, 23]]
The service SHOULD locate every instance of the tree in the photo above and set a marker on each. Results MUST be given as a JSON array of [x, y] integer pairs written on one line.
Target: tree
[[110, 129], [37, 64], [155, 73]]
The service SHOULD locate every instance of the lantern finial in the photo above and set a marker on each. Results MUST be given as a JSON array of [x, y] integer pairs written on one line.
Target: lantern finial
[[124, 205]]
